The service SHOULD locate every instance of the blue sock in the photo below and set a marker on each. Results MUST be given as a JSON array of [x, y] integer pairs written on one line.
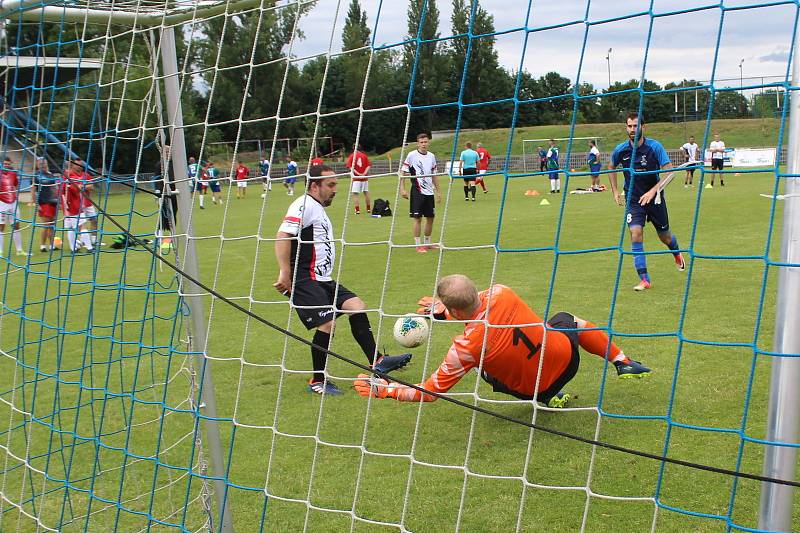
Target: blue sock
[[673, 245], [640, 260]]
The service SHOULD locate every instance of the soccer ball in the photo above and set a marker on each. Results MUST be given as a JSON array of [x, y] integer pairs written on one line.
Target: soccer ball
[[411, 331], [57, 243]]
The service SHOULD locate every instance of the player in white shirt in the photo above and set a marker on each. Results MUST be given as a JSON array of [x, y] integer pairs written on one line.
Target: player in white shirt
[[420, 165], [306, 252], [717, 149], [690, 149]]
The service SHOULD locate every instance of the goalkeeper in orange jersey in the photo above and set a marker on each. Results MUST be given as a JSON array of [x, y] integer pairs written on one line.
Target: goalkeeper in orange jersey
[[508, 355]]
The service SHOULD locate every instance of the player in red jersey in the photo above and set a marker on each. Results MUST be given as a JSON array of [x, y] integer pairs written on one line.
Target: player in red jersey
[[316, 162], [528, 360], [89, 213], [72, 197], [242, 173], [483, 165], [45, 191], [9, 206], [359, 163]]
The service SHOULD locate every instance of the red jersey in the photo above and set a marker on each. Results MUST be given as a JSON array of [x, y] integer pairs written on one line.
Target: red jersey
[[71, 198], [359, 162], [484, 157], [317, 162], [85, 181], [242, 172], [510, 354], [9, 186]]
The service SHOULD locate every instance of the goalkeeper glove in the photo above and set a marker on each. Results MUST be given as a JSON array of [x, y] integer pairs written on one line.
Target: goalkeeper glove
[[430, 306], [373, 386]]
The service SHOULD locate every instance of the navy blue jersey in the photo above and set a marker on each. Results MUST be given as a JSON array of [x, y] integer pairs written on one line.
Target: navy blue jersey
[[649, 157]]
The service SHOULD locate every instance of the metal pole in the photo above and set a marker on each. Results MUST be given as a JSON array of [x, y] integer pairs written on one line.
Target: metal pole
[[169, 63], [608, 60], [783, 421]]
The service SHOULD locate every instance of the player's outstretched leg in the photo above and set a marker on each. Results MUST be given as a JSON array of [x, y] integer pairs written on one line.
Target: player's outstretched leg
[[671, 241], [595, 341], [318, 384], [362, 333]]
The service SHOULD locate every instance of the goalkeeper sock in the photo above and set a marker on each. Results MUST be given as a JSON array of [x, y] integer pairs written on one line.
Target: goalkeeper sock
[[640, 260], [362, 333], [319, 357], [597, 342], [466, 191]]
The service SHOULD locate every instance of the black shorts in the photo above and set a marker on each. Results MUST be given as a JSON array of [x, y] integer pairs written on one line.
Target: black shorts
[[315, 299], [558, 321], [656, 214], [717, 164], [422, 205], [469, 174]]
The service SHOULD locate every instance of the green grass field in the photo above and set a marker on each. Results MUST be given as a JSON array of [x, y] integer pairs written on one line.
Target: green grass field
[[432, 467]]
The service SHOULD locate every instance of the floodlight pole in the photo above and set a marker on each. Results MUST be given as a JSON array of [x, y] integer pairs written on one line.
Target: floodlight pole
[[783, 422], [169, 63]]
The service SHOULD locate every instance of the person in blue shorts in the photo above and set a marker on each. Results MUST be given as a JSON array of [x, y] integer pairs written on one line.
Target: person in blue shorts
[[469, 170], [211, 175], [291, 175], [644, 193]]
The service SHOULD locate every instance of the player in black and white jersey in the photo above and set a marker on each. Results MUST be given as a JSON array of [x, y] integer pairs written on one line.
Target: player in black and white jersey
[[420, 164], [306, 251]]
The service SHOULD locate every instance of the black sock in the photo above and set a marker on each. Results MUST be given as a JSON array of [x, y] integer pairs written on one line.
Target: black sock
[[318, 357], [472, 189], [466, 191], [362, 333]]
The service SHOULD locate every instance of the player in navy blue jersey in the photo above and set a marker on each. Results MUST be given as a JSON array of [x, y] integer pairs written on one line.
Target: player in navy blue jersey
[[644, 193]]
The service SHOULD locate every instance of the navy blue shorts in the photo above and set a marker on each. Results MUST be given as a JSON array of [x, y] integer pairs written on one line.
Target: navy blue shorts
[[656, 214], [554, 174], [214, 185]]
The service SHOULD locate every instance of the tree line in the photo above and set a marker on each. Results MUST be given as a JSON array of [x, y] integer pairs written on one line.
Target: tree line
[[237, 85]]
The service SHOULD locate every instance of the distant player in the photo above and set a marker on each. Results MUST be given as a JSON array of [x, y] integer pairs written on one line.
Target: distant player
[[46, 192], [242, 174], [594, 164], [72, 190], [9, 206], [552, 167], [263, 167], [211, 176], [649, 157], [305, 238], [469, 170], [420, 165], [291, 176], [191, 171], [690, 150], [529, 362], [542, 159], [717, 148], [483, 166], [359, 164], [89, 214]]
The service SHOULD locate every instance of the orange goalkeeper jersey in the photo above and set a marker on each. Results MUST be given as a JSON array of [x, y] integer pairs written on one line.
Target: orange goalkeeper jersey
[[512, 350]]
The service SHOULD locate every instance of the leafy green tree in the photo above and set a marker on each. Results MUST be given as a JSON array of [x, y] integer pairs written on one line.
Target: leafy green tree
[[424, 56]]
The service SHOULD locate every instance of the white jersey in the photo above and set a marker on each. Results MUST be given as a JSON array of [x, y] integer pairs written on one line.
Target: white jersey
[[717, 145], [422, 168], [307, 219], [691, 149]]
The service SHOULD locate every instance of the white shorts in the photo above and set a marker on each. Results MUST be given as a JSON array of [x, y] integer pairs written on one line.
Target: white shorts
[[482, 171], [9, 213], [89, 212], [359, 186], [242, 184]]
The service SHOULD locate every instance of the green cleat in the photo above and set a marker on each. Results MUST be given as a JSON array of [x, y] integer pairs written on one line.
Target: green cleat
[[559, 401]]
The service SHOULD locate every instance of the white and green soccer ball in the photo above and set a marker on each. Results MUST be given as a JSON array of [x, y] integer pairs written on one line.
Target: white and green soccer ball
[[411, 331]]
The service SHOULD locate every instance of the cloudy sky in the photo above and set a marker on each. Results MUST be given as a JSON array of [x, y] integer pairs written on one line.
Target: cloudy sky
[[677, 43]]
